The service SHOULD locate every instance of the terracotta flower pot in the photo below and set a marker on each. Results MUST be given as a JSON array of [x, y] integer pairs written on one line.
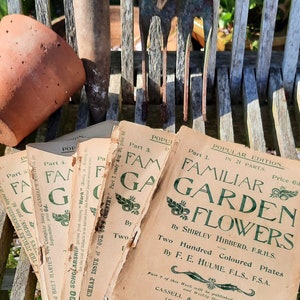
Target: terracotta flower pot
[[39, 71]]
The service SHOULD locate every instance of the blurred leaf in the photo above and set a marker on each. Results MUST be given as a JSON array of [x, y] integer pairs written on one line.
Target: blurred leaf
[[256, 3], [255, 45], [227, 5], [3, 9], [226, 18], [12, 262]]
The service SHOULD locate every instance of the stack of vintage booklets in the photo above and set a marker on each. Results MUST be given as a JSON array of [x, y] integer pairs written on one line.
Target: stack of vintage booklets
[[123, 211]]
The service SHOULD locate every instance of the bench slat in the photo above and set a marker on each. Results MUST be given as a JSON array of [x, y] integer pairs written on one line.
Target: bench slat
[[282, 124], [70, 24], [114, 99], [238, 48], [265, 46], [169, 125], [14, 6], [291, 50], [297, 99], [252, 112], [140, 105], [224, 106], [127, 84], [196, 100], [43, 14], [212, 53], [155, 61], [223, 59]]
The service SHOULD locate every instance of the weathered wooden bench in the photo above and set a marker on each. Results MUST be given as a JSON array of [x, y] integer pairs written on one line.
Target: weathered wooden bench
[[253, 98]]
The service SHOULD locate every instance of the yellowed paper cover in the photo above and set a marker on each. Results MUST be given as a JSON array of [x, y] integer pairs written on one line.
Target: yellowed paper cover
[[15, 194], [50, 166], [88, 176], [16, 188], [224, 224], [138, 162]]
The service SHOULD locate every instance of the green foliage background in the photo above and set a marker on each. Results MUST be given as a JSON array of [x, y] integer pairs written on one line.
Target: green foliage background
[[28, 7]]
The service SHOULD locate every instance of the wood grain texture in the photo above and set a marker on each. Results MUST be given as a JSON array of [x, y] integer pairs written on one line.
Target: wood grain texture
[[70, 27], [14, 7], [127, 46], [283, 133], [223, 59], [169, 113], [265, 46], [238, 48], [291, 51], [224, 106], [296, 106], [114, 97], [141, 105], [252, 113], [42, 8], [196, 101], [155, 61]]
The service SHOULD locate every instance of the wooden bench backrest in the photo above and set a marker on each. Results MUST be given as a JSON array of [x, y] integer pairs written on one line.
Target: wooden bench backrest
[[252, 96]]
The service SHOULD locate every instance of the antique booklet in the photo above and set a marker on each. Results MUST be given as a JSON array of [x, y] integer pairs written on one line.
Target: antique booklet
[[132, 179], [15, 194], [89, 162], [51, 168], [15, 189], [223, 224]]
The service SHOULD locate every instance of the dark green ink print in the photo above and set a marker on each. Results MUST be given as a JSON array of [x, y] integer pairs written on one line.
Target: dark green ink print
[[128, 204], [93, 210], [178, 209], [282, 193], [62, 218], [211, 282]]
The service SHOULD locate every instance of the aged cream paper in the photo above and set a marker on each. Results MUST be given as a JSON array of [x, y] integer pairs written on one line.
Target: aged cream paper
[[15, 194], [50, 168], [223, 224], [90, 159], [16, 189], [133, 176]]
